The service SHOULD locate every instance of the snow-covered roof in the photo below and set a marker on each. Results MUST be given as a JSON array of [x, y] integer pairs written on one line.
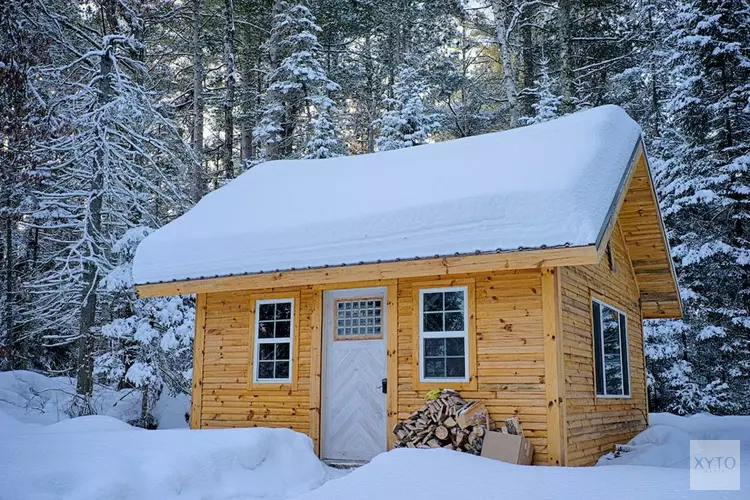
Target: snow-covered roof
[[551, 184]]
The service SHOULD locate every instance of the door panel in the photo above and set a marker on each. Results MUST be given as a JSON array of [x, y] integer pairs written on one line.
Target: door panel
[[353, 417]]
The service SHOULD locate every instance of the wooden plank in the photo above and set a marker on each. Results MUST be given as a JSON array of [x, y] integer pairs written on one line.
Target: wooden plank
[[316, 333], [392, 361], [198, 352], [553, 368], [519, 259]]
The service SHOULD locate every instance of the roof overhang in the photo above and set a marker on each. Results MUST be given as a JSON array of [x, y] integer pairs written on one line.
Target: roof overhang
[[636, 208], [436, 266]]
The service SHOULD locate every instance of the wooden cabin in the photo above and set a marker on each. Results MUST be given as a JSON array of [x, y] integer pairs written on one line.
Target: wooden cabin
[[516, 267]]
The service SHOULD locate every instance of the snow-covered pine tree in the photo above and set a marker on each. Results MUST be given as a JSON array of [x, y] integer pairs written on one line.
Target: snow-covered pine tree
[[22, 46], [547, 106], [297, 84], [149, 340], [324, 137], [405, 123], [107, 172], [705, 196]]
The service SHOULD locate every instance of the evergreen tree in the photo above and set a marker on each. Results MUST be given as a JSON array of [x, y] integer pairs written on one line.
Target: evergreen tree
[[548, 102], [149, 340], [106, 172], [405, 123], [705, 196], [324, 139], [298, 83]]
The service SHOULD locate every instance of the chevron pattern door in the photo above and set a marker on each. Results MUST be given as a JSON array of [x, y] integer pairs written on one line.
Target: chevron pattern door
[[353, 415]]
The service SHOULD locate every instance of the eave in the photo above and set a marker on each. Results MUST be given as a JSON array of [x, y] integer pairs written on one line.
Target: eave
[[436, 266]]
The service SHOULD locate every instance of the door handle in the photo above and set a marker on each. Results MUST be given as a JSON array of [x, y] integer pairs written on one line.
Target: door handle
[[384, 386]]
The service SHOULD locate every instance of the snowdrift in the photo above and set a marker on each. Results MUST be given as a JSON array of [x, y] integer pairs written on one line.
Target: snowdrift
[[666, 443], [657, 468], [33, 398], [94, 458], [448, 475]]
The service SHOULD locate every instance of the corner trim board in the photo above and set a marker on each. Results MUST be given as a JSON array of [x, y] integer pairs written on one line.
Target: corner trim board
[[554, 373], [196, 399]]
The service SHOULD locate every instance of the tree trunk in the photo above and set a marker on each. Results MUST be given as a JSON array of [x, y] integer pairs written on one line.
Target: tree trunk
[[229, 67], [372, 98], [529, 63], [566, 69], [509, 75], [271, 148], [85, 369], [12, 357], [199, 180]]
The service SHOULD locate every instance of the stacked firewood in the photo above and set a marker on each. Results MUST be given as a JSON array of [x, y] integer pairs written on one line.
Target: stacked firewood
[[447, 421]]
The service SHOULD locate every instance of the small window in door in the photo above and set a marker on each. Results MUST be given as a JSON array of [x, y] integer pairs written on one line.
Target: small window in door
[[358, 319]]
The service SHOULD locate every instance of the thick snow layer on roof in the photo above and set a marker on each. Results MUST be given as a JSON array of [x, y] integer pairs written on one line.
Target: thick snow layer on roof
[[550, 184]]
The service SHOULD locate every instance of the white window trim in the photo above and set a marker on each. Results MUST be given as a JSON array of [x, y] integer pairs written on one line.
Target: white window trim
[[258, 341], [601, 354], [441, 335]]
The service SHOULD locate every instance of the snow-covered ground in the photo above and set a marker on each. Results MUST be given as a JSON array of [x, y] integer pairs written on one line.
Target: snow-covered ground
[[33, 398], [656, 469], [100, 457]]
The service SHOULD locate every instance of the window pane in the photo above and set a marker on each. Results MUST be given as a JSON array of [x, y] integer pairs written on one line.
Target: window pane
[[455, 368], [282, 351], [265, 351], [284, 310], [265, 330], [282, 329], [433, 301], [454, 301], [265, 369], [454, 322], [434, 368], [282, 369], [434, 347], [455, 347], [433, 322], [612, 354], [266, 311]]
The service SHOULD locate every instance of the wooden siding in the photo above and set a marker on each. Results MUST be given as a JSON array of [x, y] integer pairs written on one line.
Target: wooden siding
[[509, 349], [509, 356], [595, 424], [228, 396], [517, 317]]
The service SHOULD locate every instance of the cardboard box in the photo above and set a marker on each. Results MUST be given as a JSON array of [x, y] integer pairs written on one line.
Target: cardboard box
[[507, 448]]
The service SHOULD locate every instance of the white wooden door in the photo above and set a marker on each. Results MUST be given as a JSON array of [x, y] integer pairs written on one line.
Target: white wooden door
[[353, 418]]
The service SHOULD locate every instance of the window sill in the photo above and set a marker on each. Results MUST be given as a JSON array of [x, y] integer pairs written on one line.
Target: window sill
[[271, 386], [599, 396], [465, 385]]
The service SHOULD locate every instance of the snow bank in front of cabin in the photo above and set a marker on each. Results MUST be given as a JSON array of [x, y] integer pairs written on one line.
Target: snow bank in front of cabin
[[548, 184], [449, 475], [94, 458], [32, 398], [666, 442], [654, 470]]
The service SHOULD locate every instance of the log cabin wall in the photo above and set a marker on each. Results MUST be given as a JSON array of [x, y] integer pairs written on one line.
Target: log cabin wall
[[223, 394], [595, 424], [507, 362], [509, 349]]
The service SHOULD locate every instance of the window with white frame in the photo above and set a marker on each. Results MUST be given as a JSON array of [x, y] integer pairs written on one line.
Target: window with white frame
[[274, 327], [443, 335], [610, 351]]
